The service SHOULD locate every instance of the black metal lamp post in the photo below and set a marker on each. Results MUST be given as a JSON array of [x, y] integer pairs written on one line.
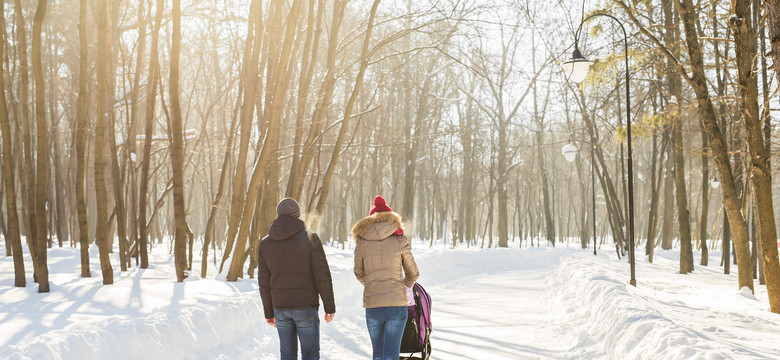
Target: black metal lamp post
[[593, 189], [576, 69]]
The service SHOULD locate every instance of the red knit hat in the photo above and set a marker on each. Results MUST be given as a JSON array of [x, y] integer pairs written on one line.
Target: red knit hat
[[380, 205]]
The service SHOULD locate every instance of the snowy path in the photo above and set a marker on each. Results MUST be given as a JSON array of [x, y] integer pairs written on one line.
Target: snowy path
[[517, 330], [498, 310], [495, 304]]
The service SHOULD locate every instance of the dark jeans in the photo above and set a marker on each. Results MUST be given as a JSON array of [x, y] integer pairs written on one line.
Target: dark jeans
[[386, 328], [298, 324]]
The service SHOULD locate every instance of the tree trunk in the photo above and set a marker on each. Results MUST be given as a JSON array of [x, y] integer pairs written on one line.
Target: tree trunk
[[671, 37], [151, 95], [251, 81], [208, 236], [323, 103], [308, 64], [772, 8], [726, 245], [745, 46], [698, 82], [81, 136], [116, 177], [719, 146], [683, 216], [667, 224], [705, 201], [466, 210], [60, 185], [13, 235], [548, 221], [254, 232], [101, 198], [3, 228], [271, 145], [132, 125], [177, 150], [652, 222], [721, 90], [42, 144], [765, 118], [325, 189], [28, 182]]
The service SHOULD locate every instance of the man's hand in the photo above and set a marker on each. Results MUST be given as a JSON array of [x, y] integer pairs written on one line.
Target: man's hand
[[329, 317], [271, 321]]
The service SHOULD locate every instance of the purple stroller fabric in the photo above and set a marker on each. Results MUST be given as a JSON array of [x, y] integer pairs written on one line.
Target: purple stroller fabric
[[421, 312], [417, 334]]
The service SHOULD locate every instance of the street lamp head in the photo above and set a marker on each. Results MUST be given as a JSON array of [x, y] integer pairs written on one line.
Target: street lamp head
[[569, 152], [577, 67], [715, 183]]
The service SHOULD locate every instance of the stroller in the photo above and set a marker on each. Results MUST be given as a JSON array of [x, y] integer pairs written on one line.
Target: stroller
[[417, 333]]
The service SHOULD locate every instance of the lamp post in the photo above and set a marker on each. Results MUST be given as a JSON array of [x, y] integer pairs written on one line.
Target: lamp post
[[714, 183], [576, 69], [569, 153]]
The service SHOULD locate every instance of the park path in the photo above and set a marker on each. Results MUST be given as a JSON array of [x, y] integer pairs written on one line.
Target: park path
[[505, 315]]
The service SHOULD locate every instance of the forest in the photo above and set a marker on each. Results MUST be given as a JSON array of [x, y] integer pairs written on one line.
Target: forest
[[154, 125]]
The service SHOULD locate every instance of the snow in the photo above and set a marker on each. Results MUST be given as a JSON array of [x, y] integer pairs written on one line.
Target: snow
[[514, 303]]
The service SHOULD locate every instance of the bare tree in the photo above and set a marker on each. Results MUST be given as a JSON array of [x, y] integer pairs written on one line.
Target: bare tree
[[324, 100], [81, 136], [250, 88], [358, 84], [698, 82], [42, 144], [177, 150], [28, 200], [13, 235], [103, 240], [310, 50], [277, 83], [151, 95], [760, 172], [120, 209]]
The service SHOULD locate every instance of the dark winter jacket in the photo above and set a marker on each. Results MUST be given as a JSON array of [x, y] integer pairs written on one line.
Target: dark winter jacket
[[380, 256], [292, 269]]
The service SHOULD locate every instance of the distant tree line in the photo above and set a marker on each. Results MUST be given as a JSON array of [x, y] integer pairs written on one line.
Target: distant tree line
[[129, 123]]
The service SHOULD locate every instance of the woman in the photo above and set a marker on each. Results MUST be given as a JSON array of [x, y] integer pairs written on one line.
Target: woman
[[382, 251]]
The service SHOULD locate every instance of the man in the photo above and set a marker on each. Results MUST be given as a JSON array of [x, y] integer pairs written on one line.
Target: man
[[293, 272]]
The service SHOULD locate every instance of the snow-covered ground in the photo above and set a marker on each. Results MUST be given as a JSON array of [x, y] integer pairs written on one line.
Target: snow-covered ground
[[531, 303]]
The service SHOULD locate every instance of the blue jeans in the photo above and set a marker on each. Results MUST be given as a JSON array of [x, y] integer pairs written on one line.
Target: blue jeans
[[298, 324], [386, 328]]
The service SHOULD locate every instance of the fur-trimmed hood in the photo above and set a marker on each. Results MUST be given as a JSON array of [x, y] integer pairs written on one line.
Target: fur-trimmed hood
[[377, 226]]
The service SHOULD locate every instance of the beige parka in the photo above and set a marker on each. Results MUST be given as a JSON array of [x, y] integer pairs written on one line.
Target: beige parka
[[380, 258]]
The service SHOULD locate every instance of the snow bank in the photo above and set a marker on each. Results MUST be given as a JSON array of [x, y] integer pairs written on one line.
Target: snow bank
[[610, 319], [169, 333]]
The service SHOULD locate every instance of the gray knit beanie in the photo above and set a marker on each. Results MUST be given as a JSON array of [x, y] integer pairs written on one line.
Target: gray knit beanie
[[288, 207]]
